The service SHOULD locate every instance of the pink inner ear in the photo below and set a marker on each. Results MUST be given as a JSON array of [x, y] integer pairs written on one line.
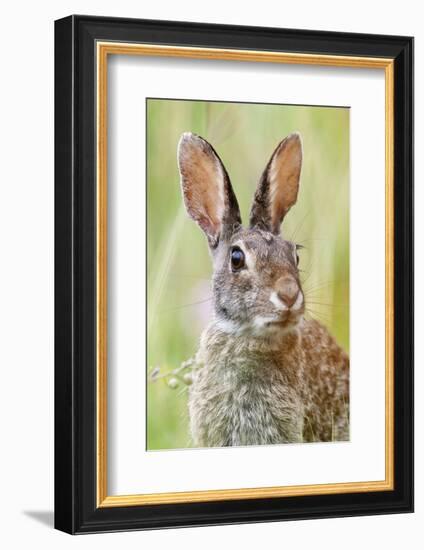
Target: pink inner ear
[[284, 175], [203, 185], [210, 227]]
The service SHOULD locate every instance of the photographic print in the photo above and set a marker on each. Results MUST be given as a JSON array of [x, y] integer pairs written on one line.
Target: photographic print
[[247, 274]]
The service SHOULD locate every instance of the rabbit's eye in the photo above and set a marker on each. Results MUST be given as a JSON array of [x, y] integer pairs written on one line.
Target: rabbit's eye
[[296, 255], [237, 259]]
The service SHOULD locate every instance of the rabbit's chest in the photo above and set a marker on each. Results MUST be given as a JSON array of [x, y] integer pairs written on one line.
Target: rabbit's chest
[[242, 403]]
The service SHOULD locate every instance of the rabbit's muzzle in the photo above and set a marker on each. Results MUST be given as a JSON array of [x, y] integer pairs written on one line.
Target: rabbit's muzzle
[[287, 299], [287, 291]]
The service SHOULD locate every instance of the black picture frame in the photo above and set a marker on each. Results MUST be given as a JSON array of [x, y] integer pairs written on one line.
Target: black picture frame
[[76, 510]]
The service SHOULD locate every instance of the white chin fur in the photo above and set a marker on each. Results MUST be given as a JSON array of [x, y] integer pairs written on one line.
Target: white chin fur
[[277, 302], [259, 326], [263, 327], [230, 327], [262, 322], [298, 303]]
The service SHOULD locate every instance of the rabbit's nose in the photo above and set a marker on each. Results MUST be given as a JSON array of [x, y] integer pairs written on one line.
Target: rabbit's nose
[[287, 290]]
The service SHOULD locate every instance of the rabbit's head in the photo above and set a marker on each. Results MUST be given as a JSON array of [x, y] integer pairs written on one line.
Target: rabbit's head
[[256, 283]]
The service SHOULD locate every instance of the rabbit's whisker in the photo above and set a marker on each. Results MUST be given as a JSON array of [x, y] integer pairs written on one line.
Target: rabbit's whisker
[[307, 270], [318, 315], [186, 305], [322, 284], [299, 226], [314, 239], [184, 276], [326, 305]]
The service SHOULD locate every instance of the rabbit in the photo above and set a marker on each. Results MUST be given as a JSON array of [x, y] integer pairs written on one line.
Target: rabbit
[[264, 373]]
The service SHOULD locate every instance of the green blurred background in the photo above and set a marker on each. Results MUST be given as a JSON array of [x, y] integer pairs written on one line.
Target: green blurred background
[[178, 263]]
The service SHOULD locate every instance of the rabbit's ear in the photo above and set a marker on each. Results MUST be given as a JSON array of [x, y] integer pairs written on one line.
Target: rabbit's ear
[[207, 191], [279, 184]]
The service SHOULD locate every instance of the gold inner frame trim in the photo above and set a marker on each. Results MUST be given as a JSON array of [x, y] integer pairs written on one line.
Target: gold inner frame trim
[[104, 49]]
